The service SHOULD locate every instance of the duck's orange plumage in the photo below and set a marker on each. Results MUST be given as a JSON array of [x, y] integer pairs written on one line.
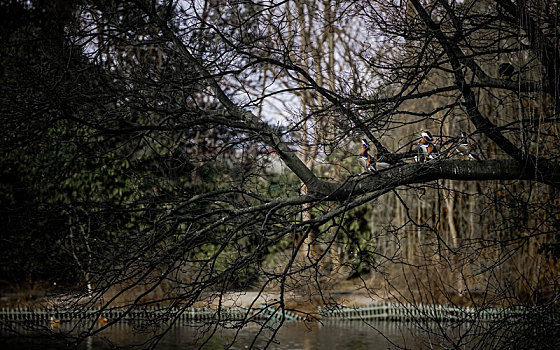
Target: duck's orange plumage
[[427, 145]]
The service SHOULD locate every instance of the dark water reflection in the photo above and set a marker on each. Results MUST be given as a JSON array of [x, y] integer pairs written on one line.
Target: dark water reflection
[[348, 335], [354, 336]]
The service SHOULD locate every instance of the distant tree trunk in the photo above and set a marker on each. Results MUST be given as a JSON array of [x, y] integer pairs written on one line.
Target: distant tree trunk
[[82, 265], [456, 268]]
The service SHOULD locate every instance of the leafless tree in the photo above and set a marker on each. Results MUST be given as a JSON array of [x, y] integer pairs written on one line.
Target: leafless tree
[[199, 99]]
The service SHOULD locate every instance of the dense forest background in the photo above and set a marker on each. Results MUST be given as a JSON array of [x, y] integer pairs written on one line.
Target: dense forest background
[[165, 153]]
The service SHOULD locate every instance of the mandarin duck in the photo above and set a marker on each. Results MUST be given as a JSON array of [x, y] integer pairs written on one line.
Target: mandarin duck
[[370, 163], [465, 148], [426, 147], [365, 158]]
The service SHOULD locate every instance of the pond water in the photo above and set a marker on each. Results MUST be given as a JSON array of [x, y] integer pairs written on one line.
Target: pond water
[[348, 335]]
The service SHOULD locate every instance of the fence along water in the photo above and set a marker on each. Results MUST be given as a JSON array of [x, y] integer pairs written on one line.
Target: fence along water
[[137, 314], [408, 312], [381, 311]]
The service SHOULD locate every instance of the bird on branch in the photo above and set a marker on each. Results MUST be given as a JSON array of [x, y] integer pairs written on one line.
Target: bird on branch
[[466, 148], [426, 148], [371, 163]]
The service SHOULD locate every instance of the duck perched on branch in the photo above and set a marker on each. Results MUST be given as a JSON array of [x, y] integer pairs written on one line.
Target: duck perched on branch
[[426, 147], [466, 148], [365, 158], [371, 163]]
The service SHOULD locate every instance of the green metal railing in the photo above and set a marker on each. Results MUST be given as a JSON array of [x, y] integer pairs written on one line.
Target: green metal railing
[[407, 312], [381, 311], [148, 313]]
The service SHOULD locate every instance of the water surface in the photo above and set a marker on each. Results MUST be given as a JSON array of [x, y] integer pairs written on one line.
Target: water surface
[[353, 335]]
